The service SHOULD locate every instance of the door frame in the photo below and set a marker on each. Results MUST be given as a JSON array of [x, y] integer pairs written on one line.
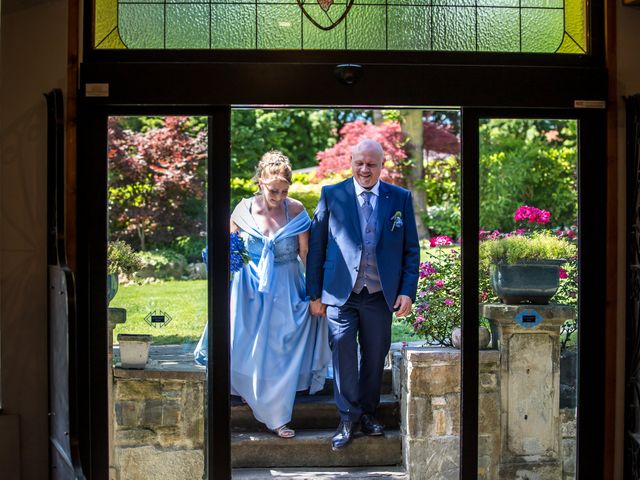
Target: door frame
[[92, 233]]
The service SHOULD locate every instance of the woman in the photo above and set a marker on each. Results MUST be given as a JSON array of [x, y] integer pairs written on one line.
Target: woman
[[277, 347]]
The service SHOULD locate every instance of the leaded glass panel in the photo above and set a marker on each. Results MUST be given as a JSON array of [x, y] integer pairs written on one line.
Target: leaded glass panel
[[533, 26]]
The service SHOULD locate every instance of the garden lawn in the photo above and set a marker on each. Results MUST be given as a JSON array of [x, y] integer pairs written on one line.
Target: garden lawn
[[186, 302]]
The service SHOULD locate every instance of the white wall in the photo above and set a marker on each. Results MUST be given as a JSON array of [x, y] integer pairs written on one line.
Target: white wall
[[33, 41]]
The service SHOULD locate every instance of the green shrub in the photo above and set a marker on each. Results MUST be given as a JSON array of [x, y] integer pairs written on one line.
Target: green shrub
[[121, 259], [309, 195], [163, 263], [444, 220], [241, 188], [190, 247]]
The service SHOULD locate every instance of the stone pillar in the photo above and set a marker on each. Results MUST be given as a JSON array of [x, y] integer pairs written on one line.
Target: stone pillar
[[429, 394], [529, 345], [115, 316]]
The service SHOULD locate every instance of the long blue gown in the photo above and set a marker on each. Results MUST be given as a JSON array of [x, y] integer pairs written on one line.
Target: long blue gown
[[277, 347]]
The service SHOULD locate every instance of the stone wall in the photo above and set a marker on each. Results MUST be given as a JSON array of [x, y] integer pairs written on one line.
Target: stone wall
[[427, 382], [159, 424]]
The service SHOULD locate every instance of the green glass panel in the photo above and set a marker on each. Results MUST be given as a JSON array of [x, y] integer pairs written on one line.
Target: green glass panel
[[454, 28], [455, 3], [542, 30], [498, 3], [187, 26], [141, 25], [543, 26], [498, 29], [411, 3], [409, 28], [233, 26], [543, 3], [279, 26], [366, 28], [315, 38]]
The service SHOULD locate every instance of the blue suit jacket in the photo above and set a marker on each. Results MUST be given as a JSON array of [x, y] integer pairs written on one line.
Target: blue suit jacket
[[335, 244]]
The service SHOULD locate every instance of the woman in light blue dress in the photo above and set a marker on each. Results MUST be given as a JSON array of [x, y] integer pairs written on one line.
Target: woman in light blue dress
[[277, 347]]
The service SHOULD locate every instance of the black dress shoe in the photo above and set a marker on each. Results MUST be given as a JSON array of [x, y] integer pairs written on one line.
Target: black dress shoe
[[343, 435], [370, 426]]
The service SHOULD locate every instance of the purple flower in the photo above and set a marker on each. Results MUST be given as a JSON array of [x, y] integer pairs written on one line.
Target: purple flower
[[449, 301]]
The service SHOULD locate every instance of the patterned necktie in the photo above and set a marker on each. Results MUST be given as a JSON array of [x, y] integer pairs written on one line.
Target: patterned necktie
[[367, 209]]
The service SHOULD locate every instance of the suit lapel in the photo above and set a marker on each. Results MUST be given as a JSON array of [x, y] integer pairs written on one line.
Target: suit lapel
[[352, 208], [384, 204]]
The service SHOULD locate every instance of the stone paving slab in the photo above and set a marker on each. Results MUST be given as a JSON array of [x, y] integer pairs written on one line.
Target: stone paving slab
[[313, 412], [350, 473], [312, 448]]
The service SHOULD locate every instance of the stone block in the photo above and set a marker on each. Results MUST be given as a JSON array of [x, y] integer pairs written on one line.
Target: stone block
[[568, 422], [151, 463], [436, 458], [531, 471], [137, 389], [568, 457], [489, 413], [396, 374], [128, 413], [152, 414], [135, 437], [488, 382], [434, 379], [418, 417], [171, 413]]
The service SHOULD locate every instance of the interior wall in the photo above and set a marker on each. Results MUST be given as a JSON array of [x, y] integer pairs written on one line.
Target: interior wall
[[628, 83], [33, 39]]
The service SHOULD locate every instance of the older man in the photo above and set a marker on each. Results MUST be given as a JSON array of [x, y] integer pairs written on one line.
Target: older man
[[362, 265]]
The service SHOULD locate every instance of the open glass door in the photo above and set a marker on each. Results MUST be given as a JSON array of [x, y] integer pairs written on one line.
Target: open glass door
[[533, 217], [157, 288]]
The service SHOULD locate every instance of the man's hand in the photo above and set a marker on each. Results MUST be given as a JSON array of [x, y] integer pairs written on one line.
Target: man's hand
[[318, 308], [402, 307]]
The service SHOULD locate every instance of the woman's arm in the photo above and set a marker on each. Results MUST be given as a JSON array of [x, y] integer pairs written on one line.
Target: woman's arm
[[303, 245], [233, 227]]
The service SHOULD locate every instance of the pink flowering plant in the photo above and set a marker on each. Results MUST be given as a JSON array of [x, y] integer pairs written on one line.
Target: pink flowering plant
[[437, 310]]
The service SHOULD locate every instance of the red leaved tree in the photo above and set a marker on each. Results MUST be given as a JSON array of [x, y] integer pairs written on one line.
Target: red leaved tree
[[156, 182], [337, 159]]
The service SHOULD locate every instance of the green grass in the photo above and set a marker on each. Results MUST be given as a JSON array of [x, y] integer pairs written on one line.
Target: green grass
[[186, 302]]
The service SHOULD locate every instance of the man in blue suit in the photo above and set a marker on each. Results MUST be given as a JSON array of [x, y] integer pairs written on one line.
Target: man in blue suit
[[362, 265]]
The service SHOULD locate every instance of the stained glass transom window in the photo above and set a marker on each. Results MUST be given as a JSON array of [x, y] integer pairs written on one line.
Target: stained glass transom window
[[537, 26]]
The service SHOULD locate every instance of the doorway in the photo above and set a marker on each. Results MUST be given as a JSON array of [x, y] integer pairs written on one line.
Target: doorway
[[219, 127]]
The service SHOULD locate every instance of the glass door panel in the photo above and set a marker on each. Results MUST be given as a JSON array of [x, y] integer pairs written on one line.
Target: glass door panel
[[157, 293], [528, 279]]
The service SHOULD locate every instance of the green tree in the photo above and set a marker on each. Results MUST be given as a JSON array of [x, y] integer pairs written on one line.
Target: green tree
[[298, 133], [527, 162]]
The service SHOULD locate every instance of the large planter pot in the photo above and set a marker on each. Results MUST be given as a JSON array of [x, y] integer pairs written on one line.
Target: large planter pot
[[533, 283], [134, 349], [484, 336], [112, 286]]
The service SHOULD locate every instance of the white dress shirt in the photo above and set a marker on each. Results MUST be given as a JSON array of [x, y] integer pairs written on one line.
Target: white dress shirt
[[373, 200]]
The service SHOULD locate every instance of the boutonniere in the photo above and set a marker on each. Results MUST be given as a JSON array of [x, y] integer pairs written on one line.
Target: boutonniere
[[397, 220]]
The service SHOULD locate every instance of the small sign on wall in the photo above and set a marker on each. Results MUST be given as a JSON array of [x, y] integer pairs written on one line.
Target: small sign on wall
[[528, 318]]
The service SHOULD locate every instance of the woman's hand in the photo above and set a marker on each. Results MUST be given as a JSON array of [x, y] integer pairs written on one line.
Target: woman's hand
[[318, 308]]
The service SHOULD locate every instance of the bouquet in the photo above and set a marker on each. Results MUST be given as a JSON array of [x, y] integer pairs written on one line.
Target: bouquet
[[238, 255]]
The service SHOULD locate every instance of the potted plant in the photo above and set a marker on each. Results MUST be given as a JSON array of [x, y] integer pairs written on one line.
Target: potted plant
[[121, 260], [134, 349], [525, 267]]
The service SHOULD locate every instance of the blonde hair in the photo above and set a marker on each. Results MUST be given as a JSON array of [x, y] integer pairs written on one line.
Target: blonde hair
[[273, 165]]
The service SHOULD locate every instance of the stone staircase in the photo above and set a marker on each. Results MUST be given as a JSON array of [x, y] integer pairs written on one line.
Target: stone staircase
[[258, 454]]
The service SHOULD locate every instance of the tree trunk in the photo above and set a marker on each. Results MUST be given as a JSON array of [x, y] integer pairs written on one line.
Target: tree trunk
[[413, 128]]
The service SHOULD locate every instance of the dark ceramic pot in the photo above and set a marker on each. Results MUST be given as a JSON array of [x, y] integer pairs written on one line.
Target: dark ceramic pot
[[532, 282], [112, 286]]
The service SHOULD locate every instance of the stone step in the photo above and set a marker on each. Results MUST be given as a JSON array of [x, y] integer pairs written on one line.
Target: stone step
[[312, 448], [313, 412], [348, 473], [386, 386]]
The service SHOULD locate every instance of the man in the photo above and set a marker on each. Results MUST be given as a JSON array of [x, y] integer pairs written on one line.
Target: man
[[362, 265]]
